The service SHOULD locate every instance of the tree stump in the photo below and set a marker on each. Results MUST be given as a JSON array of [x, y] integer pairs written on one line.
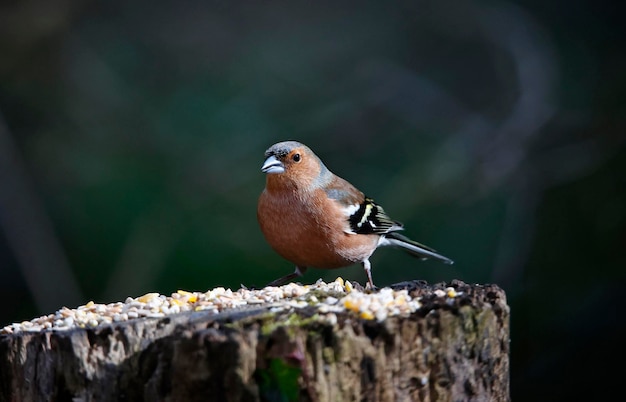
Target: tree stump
[[454, 347]]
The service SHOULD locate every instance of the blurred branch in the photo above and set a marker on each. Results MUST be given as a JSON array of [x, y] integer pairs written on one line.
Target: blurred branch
[[30, 233], [530, 49], [504, 157]]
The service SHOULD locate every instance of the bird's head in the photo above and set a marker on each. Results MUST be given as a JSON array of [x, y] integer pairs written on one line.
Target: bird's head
[[294, 164]]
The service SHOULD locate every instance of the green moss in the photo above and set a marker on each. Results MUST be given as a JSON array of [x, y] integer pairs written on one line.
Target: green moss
[[328, 354], [290, 323]]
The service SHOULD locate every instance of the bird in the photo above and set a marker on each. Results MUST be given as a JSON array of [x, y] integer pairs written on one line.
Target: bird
[[314, 218]]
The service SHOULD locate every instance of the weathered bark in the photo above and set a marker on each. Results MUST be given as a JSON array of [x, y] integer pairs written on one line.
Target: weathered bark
[[449, 350]]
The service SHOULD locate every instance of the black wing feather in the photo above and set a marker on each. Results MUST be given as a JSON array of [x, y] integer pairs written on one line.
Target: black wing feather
[[371, 218]]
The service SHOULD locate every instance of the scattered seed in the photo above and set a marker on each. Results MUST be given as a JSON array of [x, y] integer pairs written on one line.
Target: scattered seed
[[368, 306]]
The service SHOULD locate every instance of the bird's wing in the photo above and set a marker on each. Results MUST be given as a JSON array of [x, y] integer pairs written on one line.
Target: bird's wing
[[363, 214]]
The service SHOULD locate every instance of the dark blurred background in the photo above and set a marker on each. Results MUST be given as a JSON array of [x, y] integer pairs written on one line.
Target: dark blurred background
[[132, 135]]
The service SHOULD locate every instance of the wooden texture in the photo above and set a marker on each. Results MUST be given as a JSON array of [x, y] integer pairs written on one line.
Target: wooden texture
[[452, 349]]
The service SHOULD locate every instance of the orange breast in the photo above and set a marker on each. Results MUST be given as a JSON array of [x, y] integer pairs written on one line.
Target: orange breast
[[310, 231]]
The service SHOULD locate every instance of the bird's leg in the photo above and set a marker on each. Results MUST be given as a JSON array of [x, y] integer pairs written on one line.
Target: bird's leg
[[368, 270], [298, 272]]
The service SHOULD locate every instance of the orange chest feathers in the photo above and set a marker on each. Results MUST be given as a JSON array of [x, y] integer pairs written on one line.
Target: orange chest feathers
[[311, 230]]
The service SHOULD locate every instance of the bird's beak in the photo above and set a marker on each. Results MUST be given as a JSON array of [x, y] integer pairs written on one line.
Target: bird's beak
[[272, 165]]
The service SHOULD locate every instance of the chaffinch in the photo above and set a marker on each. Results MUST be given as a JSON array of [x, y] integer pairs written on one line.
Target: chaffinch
[[314, 218]]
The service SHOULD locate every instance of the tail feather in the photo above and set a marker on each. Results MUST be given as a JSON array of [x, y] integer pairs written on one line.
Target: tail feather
[[414, 248]]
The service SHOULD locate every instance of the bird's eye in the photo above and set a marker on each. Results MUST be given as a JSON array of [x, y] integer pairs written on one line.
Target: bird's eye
[[296, 157]]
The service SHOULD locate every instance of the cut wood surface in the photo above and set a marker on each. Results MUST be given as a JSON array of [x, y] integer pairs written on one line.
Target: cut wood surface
[[454, 347]]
